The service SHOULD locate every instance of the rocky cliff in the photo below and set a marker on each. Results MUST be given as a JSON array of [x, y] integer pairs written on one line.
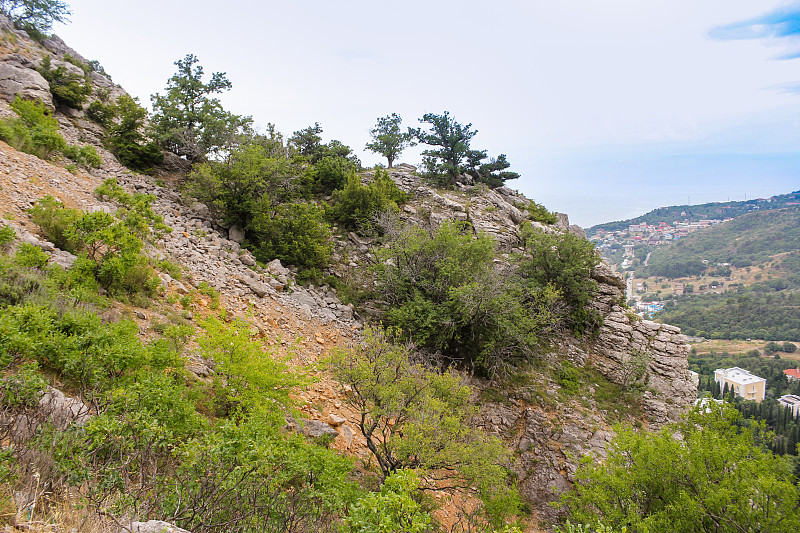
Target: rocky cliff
[[547, 430]]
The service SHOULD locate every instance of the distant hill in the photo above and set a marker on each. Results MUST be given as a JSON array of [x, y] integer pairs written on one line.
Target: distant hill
[[709, 211], [756, 258]]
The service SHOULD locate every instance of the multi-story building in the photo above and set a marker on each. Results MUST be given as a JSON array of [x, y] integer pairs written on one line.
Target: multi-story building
[[792, 401], [743, 383]]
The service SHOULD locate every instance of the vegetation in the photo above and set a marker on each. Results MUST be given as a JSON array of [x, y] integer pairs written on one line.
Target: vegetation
[[187, 120], [125, 137], [387, 138], [740, 314], [36, 16], [357, 205], [453, 158], [414, 417], [68, 88], [716, 478], [35, 131]]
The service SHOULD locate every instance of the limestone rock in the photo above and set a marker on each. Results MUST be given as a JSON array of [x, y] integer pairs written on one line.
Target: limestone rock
[[236, 234], [155, 526], [16, 79]]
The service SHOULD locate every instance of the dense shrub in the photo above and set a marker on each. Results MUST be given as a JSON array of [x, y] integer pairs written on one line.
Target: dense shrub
[[331, 173], [127, 140], [443, 289], [34, 132], [356, 205], [68, 88], [101, 113], [295, 233]]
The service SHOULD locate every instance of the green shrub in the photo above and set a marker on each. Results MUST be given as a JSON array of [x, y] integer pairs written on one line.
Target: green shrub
[[357, 204], [24, 387], [31, 256], [101, 113], [294, 233], [7, 236], [68, 89], [34, 132], [84, 155], [126, 139], [331, 173], [539, 213]]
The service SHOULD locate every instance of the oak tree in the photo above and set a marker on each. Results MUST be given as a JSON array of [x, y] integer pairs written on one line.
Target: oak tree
[[387, 138]]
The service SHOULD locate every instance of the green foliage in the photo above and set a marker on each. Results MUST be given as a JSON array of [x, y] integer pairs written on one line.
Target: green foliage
[[7, 236], [309, 146], [387, 138], [453, 157], [716, 479], [36, 16], [295, 233], [127, 140], [393, 509], [443, 289], [569, 527], [539, 213], [564, 261], [415, 417], [331, 173], [101, 113], [84, 155], [255, 174], [68, 88], [34, 132], [110, 248], [745, 313], [187, 120], [254, 381], [23, 388], [356, 205]]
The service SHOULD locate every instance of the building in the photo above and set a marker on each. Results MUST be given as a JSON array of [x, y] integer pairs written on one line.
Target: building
[[792, 401], [793, 374], [744, 384]]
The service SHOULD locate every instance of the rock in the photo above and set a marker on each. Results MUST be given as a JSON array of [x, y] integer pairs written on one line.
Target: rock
[[259, 288], [63, 411], [335, 420], [63, 259], [25, 82], [276, 268], [200, 209], [155, 526], [236, 234]]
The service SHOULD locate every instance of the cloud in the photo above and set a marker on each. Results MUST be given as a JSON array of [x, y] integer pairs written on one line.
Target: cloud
[[780, 26], [793, 88]]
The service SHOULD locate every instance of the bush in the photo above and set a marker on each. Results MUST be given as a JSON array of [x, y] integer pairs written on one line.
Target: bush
[[357, 204], [294, 233], [788, 347], [7, 236], [539, 213], [101, 113], [84, 155], [23, 388], [126, 140], [331, 173], [68, 89], [34, 132]]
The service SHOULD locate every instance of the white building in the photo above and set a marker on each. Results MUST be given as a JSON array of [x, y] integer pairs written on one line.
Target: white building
[[744, 384], [792, 401]]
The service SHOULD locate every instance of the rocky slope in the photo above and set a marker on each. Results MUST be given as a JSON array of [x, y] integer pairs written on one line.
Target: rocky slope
[[548, 432]]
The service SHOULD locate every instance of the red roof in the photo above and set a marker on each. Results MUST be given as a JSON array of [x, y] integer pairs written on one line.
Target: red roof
[[793, 372]]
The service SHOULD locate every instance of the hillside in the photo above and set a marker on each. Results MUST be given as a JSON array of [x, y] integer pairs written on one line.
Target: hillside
[[709, 211], [201, 342]]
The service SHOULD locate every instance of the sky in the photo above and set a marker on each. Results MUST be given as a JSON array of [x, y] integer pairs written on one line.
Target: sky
[[606, 109]]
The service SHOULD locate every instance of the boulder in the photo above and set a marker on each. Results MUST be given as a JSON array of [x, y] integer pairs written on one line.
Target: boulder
[[25, 82], [155, 526], [236, 234]]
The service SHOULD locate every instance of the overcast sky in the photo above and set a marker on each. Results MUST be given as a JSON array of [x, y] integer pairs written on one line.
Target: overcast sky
[[607, 109]]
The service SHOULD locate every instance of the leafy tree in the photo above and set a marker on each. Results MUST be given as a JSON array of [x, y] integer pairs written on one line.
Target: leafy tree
[[454, 157], [418, 418], [453, 141], [295, 233], [716, 478], [187, 120], [126, 138], [772, 347], [387, 139], [356, 205], [68, 88], [391, 510], [36, 15], [443, 289], [566, 261], [257, 172], [789, 347], [308, 144], [331, 173]]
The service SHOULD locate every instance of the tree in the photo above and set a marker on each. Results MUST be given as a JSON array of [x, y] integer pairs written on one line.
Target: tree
[[789, 347], [715, 478], [36, 15], [453, 141], [455, 158], [387, 139], [772, 347], [308, 143], [414, 417], [187, 121], [127, 140], [566, 261]]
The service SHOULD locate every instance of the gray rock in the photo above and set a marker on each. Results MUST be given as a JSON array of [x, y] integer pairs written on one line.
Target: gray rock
[[63, 411], [25, 82], [155, 526], [236, 234]]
